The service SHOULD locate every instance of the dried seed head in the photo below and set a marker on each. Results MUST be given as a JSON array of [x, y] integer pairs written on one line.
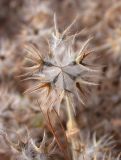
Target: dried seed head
[[62, 70], [27, 148], [97, 149]]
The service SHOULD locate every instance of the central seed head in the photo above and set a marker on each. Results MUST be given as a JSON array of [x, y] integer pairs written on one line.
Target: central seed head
[[62, 70]]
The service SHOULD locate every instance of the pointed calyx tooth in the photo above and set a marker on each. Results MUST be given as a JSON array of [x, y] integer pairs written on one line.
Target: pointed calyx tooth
[[33, 53], [82, 53], [56, 27], [79, 58]]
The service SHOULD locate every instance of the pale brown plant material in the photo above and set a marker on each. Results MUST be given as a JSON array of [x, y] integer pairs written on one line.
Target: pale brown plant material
[[50, 55], [60, 70]]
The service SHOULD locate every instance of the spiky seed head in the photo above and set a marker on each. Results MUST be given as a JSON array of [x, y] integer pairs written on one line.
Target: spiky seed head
[[97, 148], [62, 70], [27, 148]]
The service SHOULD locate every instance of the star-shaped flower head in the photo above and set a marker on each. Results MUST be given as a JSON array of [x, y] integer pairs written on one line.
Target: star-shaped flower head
[[62, 71]]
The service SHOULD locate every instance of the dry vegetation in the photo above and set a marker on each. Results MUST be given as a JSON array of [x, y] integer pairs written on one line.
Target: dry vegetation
[[60, 79]]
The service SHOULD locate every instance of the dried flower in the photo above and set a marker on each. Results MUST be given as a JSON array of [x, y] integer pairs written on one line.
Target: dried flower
[[96, 149], [26, 149], [61, 70]]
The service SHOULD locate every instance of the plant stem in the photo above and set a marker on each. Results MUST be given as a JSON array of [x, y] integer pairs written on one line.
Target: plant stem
[[72, 129]]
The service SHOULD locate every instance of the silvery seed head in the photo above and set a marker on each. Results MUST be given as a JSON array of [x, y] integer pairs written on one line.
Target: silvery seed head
[[61, 71]]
